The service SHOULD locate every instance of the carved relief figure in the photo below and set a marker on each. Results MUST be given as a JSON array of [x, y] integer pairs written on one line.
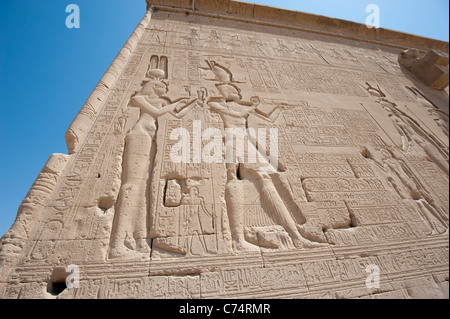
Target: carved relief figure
[[403, 182], [438, 118], [234, 113], [282, 49], [193, 38], [197, 220], [412, 133], [258, 48], [234, 43], [214, 40], [299, 51], [129, 233]]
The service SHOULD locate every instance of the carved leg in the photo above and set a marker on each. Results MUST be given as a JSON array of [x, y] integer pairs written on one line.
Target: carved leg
[[131, 208], [401, 192], [234, 194], [434, 154], [272, 200], [436, 223]]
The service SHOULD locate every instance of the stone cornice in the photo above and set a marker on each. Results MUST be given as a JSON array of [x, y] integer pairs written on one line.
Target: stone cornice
[[235, 10]]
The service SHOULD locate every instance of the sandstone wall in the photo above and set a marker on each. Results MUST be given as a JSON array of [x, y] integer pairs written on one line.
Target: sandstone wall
[[360, 179]]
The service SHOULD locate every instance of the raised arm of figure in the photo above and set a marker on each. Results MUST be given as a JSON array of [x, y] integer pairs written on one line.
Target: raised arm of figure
[[248, 110], [145, 106], [184, 109], [216, 106]]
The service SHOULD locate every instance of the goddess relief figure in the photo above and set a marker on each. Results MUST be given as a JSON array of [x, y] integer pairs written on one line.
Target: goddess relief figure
[[412, 134], [129, 232], [408, 188]]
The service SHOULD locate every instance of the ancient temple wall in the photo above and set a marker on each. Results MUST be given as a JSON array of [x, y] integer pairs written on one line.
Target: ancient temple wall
[[361, 177]]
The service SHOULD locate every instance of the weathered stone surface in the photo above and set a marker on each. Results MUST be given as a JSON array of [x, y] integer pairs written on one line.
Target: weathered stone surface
[[245, 151], [432, 68]]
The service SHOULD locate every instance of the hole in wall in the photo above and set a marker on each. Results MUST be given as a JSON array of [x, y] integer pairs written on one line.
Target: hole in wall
[[105, 203], [56, 288], [57, 283], [238, 172]]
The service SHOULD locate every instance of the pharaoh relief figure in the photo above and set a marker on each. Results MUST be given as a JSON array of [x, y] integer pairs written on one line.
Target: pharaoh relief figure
[[234, 113], [411, 132], [129, 233]]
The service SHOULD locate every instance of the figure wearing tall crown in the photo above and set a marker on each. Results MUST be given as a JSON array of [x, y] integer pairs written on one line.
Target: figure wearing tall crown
[[129, 234], [234, 113]]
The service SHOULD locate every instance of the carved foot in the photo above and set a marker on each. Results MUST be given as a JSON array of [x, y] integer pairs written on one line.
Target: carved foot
[[312, 232], [142, 247], [125, 253], [304, 243], [245, 247]]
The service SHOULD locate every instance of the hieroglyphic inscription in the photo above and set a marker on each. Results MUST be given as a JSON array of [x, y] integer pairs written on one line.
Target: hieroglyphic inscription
[[313, 126], [88, 162], [255, 279], [371, 234]]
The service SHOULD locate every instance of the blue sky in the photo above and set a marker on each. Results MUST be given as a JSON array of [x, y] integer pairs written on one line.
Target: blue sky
[[47, 71]]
